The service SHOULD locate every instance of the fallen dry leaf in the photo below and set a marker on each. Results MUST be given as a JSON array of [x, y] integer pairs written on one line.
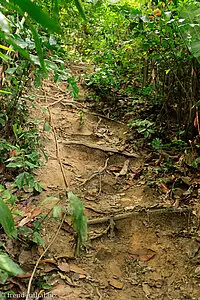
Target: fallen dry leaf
[[74, 268], [124, 169], [164, 188], [30, 216], [116, 284], [48, 261], [115, 168], [64, 267], [143, 254]]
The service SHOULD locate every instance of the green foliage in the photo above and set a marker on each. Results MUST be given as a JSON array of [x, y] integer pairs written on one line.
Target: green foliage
[[26, 181], [143, 127], [157, 144], [79, 220], [9, 266], [7, 196], [6, 219]]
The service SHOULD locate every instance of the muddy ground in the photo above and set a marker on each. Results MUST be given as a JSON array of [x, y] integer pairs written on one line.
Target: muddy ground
[[149, 254]]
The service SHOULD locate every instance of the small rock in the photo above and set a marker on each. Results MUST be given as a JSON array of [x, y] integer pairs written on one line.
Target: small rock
[[116, 284]]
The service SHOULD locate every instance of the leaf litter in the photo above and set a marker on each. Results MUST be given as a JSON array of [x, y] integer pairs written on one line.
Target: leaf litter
[[149, 251]]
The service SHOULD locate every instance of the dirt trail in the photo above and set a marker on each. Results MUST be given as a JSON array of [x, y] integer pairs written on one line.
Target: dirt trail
[[145, 256]]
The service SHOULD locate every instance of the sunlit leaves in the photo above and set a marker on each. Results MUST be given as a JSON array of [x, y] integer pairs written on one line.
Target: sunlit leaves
[[80, 8], [9, 266], [37, 14], [6, 220], [4, 25]]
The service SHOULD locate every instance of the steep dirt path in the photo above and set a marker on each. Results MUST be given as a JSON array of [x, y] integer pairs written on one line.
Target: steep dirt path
[[147, 255]]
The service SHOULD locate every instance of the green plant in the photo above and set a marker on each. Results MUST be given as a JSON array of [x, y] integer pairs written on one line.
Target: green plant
[[31, 234], [26, 181], [143, 127], [157, 144], [6, 218], [79, 220], [7, 196]]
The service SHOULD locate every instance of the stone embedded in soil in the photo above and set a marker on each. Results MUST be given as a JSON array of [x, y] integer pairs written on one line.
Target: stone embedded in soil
[[116, 284]]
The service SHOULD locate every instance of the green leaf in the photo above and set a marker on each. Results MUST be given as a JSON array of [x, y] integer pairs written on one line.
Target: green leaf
[[38, 187], [79, 6], [3, 278], [197, 103], [4, 57], [37, 14], [4, 25], [5, 92], [11, 71], [12, 42], [57, 211], [6, 48], [9, 265], [47, 127], [49, 199], [38, 47], [37, 239], [16, 165], [79, 220], [6, 220]]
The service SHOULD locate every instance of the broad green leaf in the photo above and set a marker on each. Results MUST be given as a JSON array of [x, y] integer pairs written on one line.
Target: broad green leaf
[[49, 199], [47, 127], [3, 278], [6, 220], [37, 239], [10, 71], [4, 25], [38, 46], [38, 187], [55, 9], [197, 103], [12, 42], [37, 14], [76, 209], [79, 6], [57, 211], [9, 265]]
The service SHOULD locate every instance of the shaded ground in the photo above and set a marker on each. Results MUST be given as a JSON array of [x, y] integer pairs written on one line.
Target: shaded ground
[[150, 255]]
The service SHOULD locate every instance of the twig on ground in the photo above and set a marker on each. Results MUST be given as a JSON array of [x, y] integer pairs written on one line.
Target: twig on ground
[[102, 116], [56, 143], [100, 185], [57, 87], [98, 293], [97, 125], [126, 215], [66, 185], [100, 234], [96, 173], [56, 102], [102, 148]]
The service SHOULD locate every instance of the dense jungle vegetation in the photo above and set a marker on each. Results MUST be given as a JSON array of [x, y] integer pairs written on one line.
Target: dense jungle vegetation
[[138, 63]]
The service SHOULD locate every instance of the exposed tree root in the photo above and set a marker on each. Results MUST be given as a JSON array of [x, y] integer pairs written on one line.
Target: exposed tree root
[[96, 173], [130, 214], [102, 148]]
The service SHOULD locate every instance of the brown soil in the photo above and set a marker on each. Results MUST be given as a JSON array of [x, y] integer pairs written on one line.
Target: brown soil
[[146, 256]]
